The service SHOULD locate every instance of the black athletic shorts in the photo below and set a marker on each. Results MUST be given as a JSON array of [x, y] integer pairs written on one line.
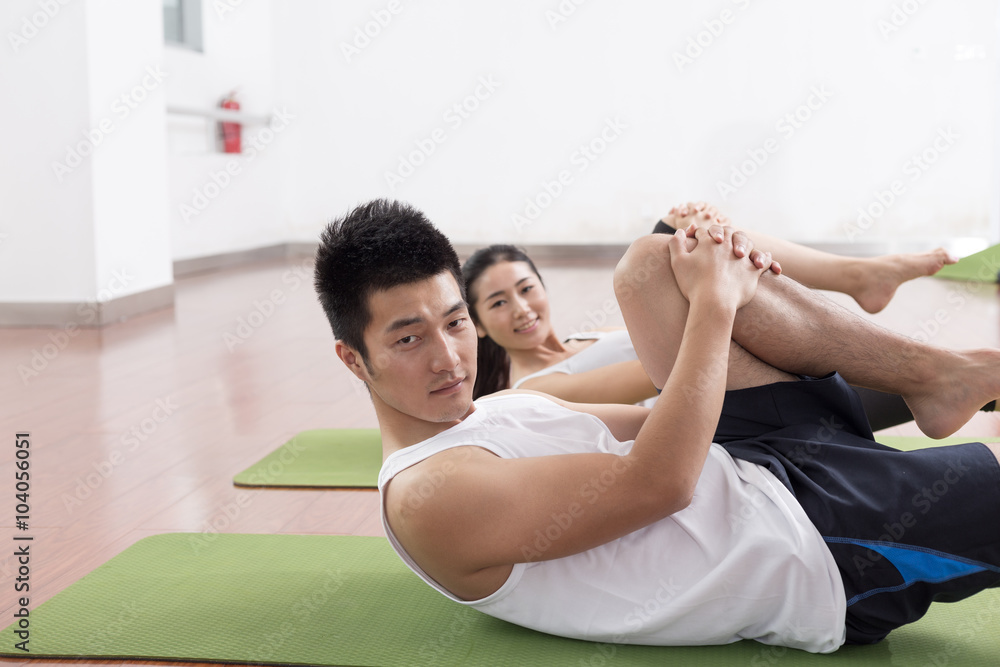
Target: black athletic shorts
[[905, 528]]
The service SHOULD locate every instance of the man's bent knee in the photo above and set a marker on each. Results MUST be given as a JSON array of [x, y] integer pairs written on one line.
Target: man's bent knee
[[646, 259]]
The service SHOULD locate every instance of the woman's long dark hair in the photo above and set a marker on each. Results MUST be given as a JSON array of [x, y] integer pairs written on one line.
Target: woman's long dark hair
[[493, 362]]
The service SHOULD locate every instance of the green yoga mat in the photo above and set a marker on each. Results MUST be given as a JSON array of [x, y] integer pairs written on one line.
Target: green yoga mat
[[909, 443], [351, 458], [322, 458], [982, 267], [340, 600]]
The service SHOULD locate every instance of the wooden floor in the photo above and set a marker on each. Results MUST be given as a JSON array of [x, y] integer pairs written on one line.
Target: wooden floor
[[138, 428]]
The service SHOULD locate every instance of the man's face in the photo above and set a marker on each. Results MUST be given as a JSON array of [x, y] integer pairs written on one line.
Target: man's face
[[422, 350]]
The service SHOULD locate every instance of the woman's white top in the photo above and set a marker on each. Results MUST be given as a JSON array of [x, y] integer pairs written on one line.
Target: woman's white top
[[609, 347]]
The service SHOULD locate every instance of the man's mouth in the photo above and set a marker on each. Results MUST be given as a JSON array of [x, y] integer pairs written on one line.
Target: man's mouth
[[452, 386]]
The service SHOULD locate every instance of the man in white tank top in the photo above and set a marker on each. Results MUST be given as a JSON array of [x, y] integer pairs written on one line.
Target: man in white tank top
[[568, 518]]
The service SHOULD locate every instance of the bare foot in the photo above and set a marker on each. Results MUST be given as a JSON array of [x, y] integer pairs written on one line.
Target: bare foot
[[878, 277], [969, 381]]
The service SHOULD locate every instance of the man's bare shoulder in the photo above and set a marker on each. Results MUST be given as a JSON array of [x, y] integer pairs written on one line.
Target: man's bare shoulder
[[439, 501], [424, 484]]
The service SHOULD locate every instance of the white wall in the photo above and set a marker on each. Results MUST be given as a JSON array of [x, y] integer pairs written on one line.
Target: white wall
[[83, 187], [131, 236], [212, 209], [557, 84], [890, 93]]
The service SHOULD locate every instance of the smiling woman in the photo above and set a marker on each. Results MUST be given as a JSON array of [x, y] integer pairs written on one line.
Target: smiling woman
[[518, 346]]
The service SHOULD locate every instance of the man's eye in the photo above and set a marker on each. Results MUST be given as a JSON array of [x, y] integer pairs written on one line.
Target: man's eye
[[456, 323], [406, 340]]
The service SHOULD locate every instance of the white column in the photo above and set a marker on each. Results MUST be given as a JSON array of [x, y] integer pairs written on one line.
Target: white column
[[84, 236]]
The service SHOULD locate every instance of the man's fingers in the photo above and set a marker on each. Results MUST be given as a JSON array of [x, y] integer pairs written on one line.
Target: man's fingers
[[742, 244], [761, 259], [776, 268], [678, 242]]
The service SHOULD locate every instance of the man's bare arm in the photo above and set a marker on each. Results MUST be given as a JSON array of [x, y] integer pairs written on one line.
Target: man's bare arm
[[488, 512]]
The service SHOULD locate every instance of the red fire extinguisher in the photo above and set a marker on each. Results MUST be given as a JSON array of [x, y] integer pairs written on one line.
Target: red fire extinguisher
[[229, 132]]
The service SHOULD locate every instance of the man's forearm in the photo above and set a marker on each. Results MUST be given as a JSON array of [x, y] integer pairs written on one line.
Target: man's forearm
[[676, 436]]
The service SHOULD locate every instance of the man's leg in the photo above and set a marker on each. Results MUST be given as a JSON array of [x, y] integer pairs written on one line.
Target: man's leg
[[793, 329], [654, 281], [871, 281]]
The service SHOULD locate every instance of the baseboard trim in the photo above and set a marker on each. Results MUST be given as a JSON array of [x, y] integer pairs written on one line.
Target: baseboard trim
[[86, 314], [195, 265], [108, 312], [551, 252]]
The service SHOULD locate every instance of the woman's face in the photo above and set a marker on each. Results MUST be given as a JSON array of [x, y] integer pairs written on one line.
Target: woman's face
[[512, 306]]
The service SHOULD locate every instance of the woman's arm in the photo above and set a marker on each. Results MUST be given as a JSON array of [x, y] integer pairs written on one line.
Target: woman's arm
[[622, 382], [624, 421]]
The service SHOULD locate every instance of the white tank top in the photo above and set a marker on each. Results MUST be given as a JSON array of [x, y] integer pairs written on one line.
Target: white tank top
[[743, 561], [609, 347]]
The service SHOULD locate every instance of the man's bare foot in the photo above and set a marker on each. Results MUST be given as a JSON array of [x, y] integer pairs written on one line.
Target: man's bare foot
[[969, 381], [876, 278]]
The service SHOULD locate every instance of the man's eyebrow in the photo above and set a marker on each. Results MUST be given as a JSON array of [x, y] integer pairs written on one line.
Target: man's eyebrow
[[500, 291], [404, 322]]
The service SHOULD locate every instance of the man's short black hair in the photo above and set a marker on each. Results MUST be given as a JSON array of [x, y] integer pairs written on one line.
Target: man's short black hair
[[375, 247]]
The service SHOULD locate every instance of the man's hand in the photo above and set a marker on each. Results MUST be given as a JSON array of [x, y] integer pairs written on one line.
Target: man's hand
[[712, 270], [700, 215]]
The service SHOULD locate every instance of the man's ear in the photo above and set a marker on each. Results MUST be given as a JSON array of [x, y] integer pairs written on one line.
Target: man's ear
[[352, 359]]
